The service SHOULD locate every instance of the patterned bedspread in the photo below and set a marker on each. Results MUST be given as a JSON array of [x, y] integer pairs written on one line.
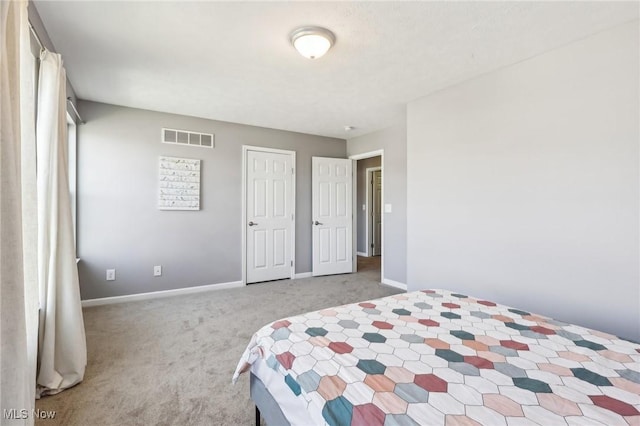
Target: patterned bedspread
[[434, 357]]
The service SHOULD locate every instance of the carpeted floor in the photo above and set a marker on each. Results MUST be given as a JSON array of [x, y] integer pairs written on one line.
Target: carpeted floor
[[170, 361]]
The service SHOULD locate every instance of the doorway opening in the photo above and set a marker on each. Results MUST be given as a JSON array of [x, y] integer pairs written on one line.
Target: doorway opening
[[369, 238], [373, 209]]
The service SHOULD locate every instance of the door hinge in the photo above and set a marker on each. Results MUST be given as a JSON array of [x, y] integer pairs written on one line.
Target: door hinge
[[292, 263], [292, 172], [371, 245]]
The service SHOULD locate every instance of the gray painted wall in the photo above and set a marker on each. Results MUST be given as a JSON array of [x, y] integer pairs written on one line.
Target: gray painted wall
[[394, 142], [361, 199], [523, 185], [119, 225]]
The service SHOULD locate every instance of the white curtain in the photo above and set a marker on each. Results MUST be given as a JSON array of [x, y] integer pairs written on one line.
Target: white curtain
[[18, 285], [28, 79], [62, 353]]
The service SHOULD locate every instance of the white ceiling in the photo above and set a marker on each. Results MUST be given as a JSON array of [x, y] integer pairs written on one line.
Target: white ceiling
[[232, 61]]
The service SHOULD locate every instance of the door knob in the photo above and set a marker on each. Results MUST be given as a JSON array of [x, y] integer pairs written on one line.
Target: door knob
[[317, 223], [252, 223]]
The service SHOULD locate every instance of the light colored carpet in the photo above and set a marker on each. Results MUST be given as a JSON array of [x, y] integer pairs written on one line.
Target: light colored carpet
[[170, 361]]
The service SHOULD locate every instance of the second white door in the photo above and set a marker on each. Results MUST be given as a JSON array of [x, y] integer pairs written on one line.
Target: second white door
[[269, 216], [332, 219]]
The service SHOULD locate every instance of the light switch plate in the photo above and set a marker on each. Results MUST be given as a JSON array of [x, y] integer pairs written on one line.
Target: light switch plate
[[387, 208], [111, 274], [157, 271]]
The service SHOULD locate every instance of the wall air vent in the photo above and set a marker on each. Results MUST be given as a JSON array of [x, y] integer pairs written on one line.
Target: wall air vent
[[184, 137]]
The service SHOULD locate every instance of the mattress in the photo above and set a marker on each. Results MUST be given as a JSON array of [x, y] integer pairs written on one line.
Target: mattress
[[435, 357]]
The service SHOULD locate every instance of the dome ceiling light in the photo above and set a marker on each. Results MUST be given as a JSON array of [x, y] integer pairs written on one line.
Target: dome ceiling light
[[312, 42]]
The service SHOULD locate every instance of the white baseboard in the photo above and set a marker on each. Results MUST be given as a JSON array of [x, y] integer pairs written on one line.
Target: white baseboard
[[303, 275], [159, 294], [395, 284], [359, 253]]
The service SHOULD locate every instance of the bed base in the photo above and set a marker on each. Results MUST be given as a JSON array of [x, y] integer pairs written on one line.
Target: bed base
[[266, 406]]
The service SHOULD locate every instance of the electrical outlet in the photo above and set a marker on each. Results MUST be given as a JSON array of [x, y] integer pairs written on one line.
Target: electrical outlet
[[111, 274], [157, 270]]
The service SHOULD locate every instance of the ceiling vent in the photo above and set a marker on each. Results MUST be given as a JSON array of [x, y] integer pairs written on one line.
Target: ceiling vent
[[184, 137]]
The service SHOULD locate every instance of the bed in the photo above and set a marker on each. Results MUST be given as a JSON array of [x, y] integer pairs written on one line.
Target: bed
[[434, 357]]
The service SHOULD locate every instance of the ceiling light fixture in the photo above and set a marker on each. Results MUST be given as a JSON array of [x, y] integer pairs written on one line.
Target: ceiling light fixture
[[312, 42]]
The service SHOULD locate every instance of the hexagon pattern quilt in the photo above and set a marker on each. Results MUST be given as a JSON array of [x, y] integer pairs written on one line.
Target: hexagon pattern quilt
[[434, 357]]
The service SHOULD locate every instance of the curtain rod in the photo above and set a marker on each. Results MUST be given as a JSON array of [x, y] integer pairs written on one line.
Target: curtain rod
[[35, 34], [37, 37], [75, 110]]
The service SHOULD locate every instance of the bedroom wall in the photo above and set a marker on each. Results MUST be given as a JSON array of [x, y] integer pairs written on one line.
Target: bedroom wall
[[361, 199], [523, 185], [119, 225], [394, 142]]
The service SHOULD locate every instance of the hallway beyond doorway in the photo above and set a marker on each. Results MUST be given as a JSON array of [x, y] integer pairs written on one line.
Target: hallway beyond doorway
[[370, 266]]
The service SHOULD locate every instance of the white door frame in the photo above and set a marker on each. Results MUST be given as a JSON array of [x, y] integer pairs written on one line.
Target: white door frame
[[369, 209], [355, 157], [292, 201]]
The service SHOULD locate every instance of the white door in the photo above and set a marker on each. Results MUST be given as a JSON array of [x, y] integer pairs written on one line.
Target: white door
[[269, 216], [332, 216], [376, 212]]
